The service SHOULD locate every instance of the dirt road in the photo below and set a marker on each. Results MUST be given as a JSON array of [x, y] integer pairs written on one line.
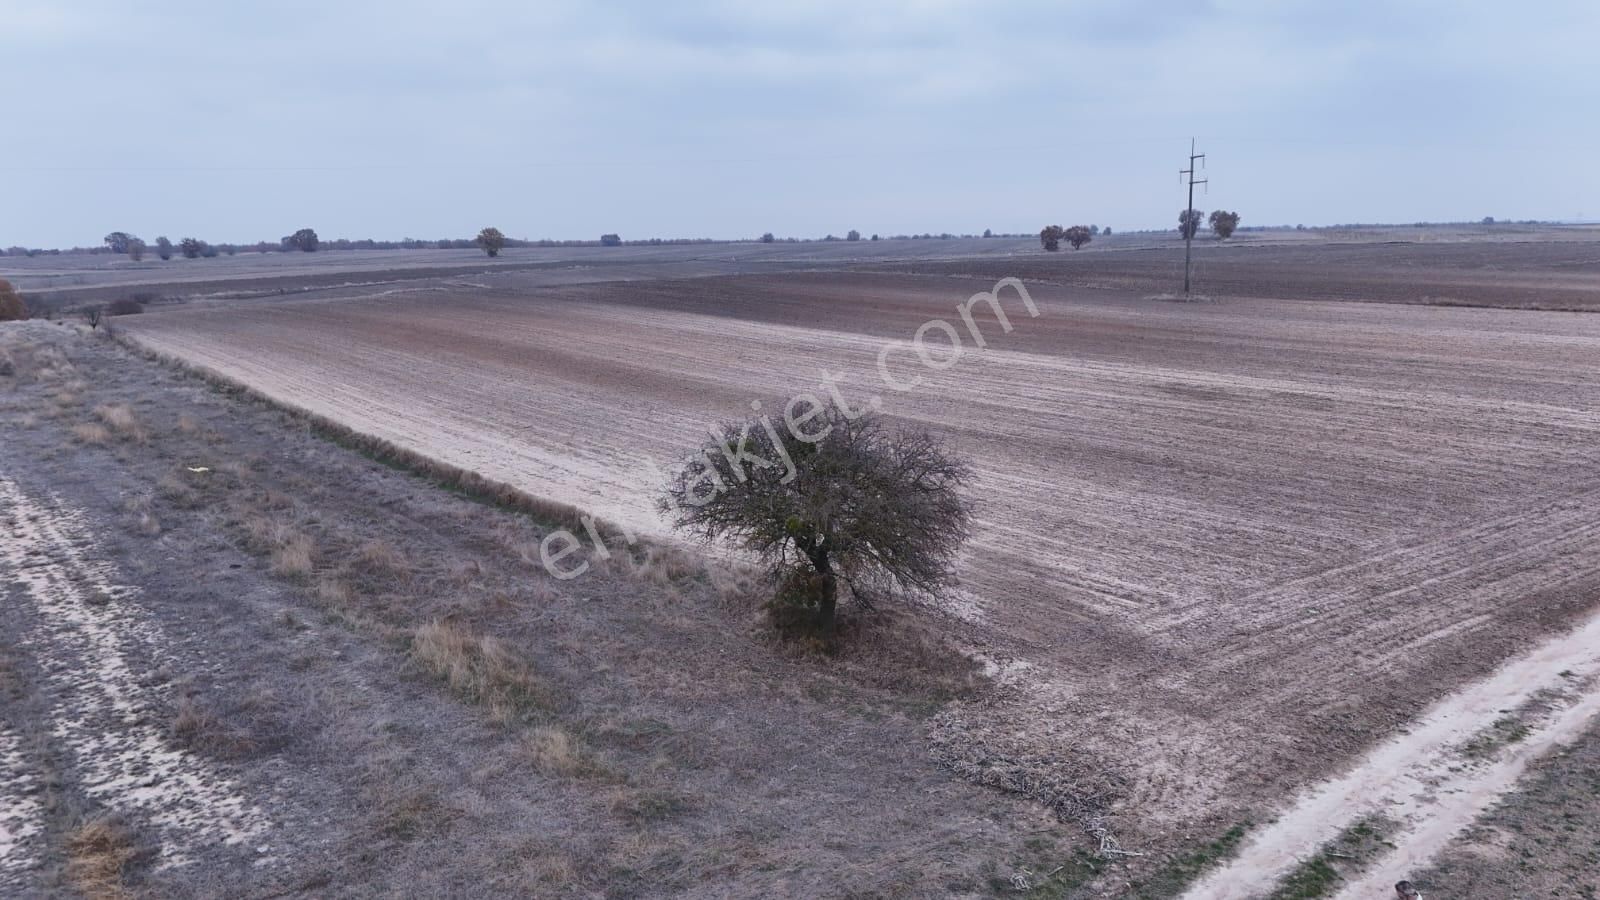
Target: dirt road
[[1436, 777]]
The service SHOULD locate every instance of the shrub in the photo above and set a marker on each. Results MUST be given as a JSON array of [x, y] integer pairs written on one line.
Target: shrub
[[833, 497], [136, 249], [124, 306], [12, 309]]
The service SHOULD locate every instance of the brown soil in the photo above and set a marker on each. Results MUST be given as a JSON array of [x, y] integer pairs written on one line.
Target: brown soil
[[283, 668]]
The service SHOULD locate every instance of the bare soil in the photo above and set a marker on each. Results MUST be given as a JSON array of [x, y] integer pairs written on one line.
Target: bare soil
[[253, 725], [1225, 550]]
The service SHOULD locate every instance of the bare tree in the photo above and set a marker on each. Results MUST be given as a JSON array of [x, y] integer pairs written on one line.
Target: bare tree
[[1077, 236], [91, 315], [831, 497], [1050, 237], [492, 241]]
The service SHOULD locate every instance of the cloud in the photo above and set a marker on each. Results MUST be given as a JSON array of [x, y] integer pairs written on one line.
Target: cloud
[[726, 118]]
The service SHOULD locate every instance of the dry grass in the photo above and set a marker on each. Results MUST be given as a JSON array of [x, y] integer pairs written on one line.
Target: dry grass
[[293, 553], [91, 433], [333, 593], [556, 752], [123, 423], [197, 728], [295, 558], [408, 810], [187, 425], [380, 557], [98, 854], [659, 565], [145, 521], [480, 668]]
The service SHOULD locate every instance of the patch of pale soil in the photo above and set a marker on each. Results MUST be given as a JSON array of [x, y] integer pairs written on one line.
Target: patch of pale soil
[[1423, 778], [21, 817], [85, 635]]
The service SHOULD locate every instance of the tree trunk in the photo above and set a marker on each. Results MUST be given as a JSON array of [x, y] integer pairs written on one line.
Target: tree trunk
[[827, 590], [827, 603]]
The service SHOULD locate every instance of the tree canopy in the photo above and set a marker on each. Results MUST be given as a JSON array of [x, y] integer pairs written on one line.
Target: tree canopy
[[831, 497], [1223, 223], [492, 241]]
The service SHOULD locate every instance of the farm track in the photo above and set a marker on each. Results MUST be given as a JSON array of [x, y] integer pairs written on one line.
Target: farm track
[[96, 654], [1236, 544], [1426, 778]]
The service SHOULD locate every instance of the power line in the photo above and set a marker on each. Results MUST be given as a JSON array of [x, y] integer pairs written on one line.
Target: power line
[[1190, 224]]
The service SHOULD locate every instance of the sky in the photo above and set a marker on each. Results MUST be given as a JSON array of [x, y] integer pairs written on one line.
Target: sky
[[243, 121]]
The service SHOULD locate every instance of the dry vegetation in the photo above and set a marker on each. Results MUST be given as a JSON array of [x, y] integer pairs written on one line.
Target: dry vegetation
[[480, 668], [99, 853]]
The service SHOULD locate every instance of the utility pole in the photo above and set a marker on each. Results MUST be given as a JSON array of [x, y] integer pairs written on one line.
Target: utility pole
[[1189, 224]]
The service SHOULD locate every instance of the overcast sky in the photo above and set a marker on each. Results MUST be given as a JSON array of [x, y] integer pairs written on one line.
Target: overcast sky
[[241, 121]]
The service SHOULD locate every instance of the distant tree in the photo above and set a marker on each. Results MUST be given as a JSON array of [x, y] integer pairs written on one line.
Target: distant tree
[[1488, 220], [856, 501], [610, 240], [191, 247], [1106, 230], [1223, 223], [852, 235], [767, 238], [1094, 229], [1077, 236], [492, 241], [987, 233], [305, 240], [1050, 237], [874, 237], [135, 249], [91, 315], [1189, 222], [163, 247], [12, 309], [118, 241]]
